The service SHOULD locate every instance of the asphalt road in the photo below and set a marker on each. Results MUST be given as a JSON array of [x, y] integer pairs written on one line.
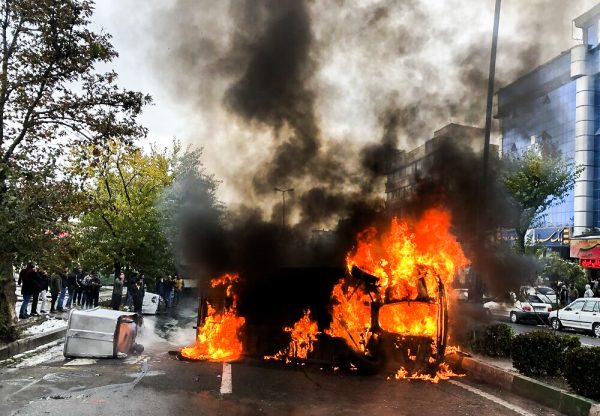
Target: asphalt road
[[156, 383]]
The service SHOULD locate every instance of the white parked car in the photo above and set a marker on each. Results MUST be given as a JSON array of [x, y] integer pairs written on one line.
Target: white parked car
[[532, 308], [545, 293], [582, 313]]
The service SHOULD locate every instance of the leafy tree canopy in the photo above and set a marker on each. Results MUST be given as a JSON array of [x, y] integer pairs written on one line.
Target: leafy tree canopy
[[537, 180], [53, 100]]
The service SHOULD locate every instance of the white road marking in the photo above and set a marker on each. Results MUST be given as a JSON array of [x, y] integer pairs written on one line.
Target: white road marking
[[492, 398], [81, 361], [22, 388], [226, 386]]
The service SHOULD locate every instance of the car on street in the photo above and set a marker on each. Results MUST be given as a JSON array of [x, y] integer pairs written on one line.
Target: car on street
[[529, 308], [582, 313], [547, 294]]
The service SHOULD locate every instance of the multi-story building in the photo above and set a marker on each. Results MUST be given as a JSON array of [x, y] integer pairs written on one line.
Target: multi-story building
[[406, 166], [558, 103]]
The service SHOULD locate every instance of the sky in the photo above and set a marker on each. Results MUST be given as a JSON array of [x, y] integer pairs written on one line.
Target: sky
[[426, 58]]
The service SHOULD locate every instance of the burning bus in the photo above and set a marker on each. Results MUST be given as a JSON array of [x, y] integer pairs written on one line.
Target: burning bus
[[386, 309]]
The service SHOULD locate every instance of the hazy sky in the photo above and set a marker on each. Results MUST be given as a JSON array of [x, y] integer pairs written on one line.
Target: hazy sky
[[360, 65]]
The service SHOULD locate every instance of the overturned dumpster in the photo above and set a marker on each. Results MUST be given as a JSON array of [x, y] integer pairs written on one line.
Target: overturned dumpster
[[102, 333]]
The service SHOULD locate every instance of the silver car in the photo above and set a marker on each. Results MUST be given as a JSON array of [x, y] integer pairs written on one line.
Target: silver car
[[582, 313], [531, 308]]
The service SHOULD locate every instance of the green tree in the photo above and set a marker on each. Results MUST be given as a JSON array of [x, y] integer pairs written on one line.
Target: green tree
[[556, 269], [121, 228], [52, 100], [189, 205], [537, 180]]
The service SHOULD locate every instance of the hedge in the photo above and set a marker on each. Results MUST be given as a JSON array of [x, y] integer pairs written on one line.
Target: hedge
[[493, 340], [541, 353], [582, 371]]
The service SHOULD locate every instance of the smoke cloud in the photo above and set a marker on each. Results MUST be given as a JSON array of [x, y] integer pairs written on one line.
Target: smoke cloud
[[315, 95]]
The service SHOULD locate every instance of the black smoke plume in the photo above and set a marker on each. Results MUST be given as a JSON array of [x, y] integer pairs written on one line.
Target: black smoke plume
[[262, 73]]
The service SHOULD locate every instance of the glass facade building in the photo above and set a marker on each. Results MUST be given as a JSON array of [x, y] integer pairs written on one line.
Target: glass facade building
[[559, 103]]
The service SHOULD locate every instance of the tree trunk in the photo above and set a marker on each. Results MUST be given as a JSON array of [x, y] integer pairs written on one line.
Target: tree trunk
[[117, 265], [8, 300]]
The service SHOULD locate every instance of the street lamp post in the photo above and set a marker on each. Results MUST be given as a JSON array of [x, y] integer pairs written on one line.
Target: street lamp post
[[283, 192]]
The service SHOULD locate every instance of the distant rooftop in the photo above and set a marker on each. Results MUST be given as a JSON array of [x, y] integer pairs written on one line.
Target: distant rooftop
[[588, 17]]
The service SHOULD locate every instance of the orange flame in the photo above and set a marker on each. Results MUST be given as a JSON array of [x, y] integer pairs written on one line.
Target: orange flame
[[219, 336], [410, 260], [443, 373], [304, 335]]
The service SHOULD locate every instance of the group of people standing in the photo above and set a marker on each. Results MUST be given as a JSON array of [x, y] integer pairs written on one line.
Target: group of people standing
[[83, 289], [567, 294], [136, 289], [169, 288]]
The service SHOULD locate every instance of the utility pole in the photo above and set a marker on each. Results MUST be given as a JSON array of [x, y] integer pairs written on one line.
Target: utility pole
[[283, 192], [490, 96], [477, 285]]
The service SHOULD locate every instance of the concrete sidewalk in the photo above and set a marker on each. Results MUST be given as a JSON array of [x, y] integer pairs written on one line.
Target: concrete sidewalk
[[500, 373], [31, 342]]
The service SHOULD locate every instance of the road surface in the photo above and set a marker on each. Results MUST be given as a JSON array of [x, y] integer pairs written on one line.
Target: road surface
[[156, 383]]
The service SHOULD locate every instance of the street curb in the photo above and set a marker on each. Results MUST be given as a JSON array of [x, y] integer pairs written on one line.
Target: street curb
[[550, 396], [27, 344]]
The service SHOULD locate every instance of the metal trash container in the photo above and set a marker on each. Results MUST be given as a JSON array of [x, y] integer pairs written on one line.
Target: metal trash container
[[150, 303], [100, 333]]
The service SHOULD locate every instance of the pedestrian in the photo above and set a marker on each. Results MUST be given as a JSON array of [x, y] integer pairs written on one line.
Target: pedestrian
[[37, 285], [80, 289], [55, 290], [27, 288], [94, 290], [573, 294], [179, 285], [44, 283], [589, 293], [138, 294], [63, 289], [85, 291], [168, 291], [563, 295], [130, 290], [117, 294], [160, 288], [72, 287]]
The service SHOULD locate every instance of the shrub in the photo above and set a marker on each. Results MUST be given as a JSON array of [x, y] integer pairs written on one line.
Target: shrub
[[493, 340], [582, 371], [541, 353]]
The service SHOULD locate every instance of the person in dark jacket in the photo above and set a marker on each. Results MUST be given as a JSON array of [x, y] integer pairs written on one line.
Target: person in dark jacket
[[55, 290], [137, 294], [26, 282], [79, 290], [72, 287], [38, 283], [169, 291], [94, 290]]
